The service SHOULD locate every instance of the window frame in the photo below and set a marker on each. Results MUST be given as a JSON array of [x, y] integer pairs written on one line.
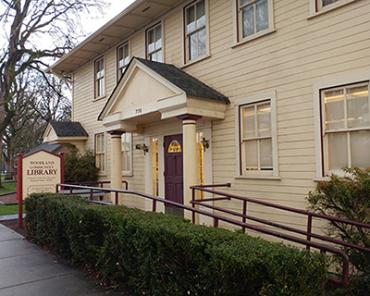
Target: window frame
[[316, 7], [103, 152], [128, 173], [238, 23], [147, 53], [325, 169], [119, 73], [256, 174], [185, 35], [98, 96]]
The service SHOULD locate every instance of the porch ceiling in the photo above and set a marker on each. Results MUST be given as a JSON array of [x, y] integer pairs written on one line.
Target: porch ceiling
[[134, 18]]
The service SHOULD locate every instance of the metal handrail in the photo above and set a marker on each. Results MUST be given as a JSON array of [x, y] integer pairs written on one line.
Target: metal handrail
[[216, 218]]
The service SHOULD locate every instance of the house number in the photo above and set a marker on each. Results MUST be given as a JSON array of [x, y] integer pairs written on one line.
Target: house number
[[139, 111]]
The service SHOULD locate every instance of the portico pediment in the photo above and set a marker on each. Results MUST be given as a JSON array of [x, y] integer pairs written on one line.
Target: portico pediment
[[150, 90]]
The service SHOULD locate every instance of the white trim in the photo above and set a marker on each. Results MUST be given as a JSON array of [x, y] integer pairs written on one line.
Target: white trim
[[331, 81], [275, 160], [155, 24], [316, 10], [102, 172], [128, 173]]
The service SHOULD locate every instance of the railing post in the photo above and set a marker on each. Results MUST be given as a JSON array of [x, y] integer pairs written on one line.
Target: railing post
[[215, 222], [57, 188], [70, 190], [309, 229], [154, 208], [116, 197], [91, 194], [244, 213], [192, 204]]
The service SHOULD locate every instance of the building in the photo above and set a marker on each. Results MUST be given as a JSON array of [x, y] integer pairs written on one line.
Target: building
[[269, 95]]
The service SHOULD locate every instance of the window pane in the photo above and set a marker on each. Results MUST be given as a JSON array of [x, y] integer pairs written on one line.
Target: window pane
[[360, 149], [338, 155], [334, 105], [264, 120], [358, 106], [248, 20], [193, 44], [262, 15], [243, 2], [251, 155], [202, 47], [327, 2], [248, 122], [158, 37], [190, 19], [266, 154], [201, 17]]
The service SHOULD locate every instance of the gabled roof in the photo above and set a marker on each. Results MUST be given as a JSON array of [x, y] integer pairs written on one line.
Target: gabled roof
[[190, 85], [68, 129], [176, 77]]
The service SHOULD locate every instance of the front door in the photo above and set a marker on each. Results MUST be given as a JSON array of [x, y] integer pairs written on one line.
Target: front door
[[173, 172]]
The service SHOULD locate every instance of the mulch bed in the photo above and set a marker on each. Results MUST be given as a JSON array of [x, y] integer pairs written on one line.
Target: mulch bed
[[13, 224], [8, 199]]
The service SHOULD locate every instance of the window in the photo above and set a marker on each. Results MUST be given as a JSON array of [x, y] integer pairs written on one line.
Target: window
[[123, 59], [100, 152], [318, 6], [346, 127], [324, 3], [256, 138], [154, 43], [195, 30], [127, 154], [254, 16], [99, 78]]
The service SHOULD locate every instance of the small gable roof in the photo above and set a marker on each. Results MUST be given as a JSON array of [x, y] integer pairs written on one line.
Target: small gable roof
[[190, 85], [68, 129]]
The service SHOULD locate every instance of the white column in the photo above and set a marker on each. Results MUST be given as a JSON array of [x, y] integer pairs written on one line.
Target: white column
[[189, 158], [116, 163]]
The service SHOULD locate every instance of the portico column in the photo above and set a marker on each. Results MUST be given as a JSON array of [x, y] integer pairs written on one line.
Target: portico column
[[189, 157], [116, 162]]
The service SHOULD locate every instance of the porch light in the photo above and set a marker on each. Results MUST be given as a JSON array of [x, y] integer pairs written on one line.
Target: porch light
[[142, 147], [205, 143]]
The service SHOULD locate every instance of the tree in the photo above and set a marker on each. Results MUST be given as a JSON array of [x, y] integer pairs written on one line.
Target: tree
[[26, 22]]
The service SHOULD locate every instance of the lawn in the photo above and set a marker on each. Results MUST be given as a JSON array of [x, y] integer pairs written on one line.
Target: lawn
[[8, 209], [7, 187]]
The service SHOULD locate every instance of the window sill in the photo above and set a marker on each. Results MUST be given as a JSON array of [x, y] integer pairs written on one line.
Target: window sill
[[330, 8], [258, 177], [196, 61], [253, 37], [99, 98]]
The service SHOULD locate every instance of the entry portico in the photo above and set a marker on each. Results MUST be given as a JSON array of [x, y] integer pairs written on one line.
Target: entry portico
[[156, 93]]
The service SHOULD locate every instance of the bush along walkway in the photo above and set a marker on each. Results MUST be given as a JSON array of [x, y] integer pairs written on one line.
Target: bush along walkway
[[156, 254], [25, 269]]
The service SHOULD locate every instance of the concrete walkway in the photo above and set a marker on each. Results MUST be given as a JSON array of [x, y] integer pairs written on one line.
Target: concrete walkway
[[25, 269]]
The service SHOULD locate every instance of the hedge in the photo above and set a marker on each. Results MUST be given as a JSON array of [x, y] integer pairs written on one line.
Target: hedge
[[157, 254]]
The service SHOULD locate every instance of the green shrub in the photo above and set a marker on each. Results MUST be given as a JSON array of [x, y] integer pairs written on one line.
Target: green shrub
[[156, 254], [80, 167]]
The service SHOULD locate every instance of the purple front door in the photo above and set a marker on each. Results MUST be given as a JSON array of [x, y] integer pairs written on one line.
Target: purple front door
[[173, 171]]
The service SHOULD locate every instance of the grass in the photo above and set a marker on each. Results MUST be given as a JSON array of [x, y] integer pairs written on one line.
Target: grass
[[7, 187], [8, 209]]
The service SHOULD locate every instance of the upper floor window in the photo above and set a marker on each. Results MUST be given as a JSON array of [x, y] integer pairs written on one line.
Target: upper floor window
[[99, 78], [154, 51], [195, 30], [100, 151], [257, 138], [317, 6], [346, 127], [127, 154], [254, 16], [123, 58]]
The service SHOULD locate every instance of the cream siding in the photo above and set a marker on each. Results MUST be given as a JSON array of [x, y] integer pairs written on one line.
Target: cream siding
[[289, 61]]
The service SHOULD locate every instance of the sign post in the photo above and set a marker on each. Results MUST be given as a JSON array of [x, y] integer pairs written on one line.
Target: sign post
[[38, 172]]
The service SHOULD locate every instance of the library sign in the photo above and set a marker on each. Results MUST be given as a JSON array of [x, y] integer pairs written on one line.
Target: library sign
[[38, 172]]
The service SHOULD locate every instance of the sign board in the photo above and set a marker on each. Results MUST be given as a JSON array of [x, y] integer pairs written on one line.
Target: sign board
[[38, 172]]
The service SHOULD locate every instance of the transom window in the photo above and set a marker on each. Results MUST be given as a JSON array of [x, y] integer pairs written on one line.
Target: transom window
[[100, 151], [127, 154], [256, 137], [154, 43], [346, 127], [254, 17], [99, 78], [123, 58], [195, 30]]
